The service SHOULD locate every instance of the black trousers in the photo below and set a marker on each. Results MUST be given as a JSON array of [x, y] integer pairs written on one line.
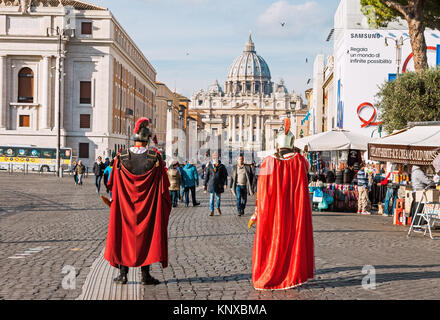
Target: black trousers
[[193, 195]]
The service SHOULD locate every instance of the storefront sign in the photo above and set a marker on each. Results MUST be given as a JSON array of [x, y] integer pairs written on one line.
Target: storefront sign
[[402, 154]]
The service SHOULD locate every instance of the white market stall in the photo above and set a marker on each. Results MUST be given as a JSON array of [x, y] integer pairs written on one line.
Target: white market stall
[[334, 140], [418, 145]]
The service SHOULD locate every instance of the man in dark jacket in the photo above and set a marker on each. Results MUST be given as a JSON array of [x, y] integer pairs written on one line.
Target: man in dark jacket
[[241, 184], [98, 170], [216, 179]]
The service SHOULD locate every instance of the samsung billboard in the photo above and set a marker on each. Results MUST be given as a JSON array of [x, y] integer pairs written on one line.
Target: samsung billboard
[[364, 60]]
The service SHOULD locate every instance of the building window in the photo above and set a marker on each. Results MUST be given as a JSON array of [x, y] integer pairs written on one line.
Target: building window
[[84, 150], [84, 121], [24, 121], [85, 92], [26, 86], [86, 28]]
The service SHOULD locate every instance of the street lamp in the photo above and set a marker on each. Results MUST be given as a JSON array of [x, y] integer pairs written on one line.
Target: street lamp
[[399, 44], [181, 113], [60, 34], [170, 105]]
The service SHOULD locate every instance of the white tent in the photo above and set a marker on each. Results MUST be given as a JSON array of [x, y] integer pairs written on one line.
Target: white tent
[[333, 141], [419, 136]]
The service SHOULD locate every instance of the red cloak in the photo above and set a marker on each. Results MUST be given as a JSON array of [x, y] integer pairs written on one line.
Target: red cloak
[[283, 255], [139, 214]]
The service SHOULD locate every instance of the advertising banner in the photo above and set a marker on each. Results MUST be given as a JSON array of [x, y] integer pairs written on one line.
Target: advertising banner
[[364, 61], [402, 154]]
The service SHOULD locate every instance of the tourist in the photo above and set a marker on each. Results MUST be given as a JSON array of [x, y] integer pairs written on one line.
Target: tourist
[[98, 170], [241, 184], [80, 169], [175, 179], [363, 187], [190, 179], [216, 180]]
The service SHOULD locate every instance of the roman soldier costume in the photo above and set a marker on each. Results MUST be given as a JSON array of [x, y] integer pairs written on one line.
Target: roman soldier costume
[[140, 208], [283, 254]]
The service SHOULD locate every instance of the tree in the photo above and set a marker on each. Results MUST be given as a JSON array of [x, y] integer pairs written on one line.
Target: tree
[[420, 14], [412, 97]]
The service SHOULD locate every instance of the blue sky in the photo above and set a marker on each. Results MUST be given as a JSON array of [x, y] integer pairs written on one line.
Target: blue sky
[[191, 43]]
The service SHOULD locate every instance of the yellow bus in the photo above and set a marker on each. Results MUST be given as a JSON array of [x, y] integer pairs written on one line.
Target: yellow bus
[[33, 158]]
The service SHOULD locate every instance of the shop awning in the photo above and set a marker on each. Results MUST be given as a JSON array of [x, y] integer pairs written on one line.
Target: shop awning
[[334, 140], [415, 145]]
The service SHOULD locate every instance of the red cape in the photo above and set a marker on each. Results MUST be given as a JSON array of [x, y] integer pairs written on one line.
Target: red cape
[[139, 215], [283, 255]]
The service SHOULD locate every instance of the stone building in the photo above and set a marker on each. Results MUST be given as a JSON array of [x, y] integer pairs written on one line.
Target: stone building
[[246, 116], [93, 76]]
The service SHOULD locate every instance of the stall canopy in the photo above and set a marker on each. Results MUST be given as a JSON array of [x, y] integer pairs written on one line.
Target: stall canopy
[[334, 140], [416, 145]]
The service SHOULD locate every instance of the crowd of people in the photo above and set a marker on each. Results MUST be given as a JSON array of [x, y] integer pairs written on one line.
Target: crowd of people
[[184, 178], [101, 171]]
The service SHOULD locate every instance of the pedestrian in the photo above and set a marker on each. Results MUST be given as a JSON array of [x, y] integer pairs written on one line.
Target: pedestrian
[[190, 179], [241, 184], [80, 169], [330, 177], [203, 171], [182, 189], [255, 171], [175, 179], [419, 182], [216, 180], [98, 170], [75, 175], [106, 176], [392, 191], [108, 172], [363, 187], [348, 175]]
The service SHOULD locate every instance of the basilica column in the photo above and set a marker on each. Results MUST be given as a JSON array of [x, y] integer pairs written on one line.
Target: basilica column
[[240, 138], [2, 92], [258, 134], [45, 94], [234, 134], [229, 127], [251, 127]]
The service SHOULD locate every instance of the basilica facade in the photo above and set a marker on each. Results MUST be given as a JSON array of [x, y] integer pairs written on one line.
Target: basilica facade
[[245, 116]]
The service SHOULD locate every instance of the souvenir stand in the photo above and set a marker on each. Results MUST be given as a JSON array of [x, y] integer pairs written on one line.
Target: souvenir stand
[[338, 148], [418, 144]]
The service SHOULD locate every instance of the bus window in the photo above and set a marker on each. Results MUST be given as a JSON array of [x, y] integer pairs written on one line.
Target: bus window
[[65, 154], [10, 152], [48, 153], [35, 153], [23, 152]]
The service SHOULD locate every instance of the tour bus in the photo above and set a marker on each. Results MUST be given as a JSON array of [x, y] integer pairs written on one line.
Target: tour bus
[[36, 158]]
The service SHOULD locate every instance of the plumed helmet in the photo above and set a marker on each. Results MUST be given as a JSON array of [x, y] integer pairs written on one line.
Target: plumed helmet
[[141, 130], [285, 138]]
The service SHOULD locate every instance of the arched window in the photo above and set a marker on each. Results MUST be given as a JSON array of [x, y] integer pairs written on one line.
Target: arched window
[[26, 86]]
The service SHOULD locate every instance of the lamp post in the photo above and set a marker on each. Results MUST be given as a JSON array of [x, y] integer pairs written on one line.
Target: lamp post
[[169, 132], [181, 131], [60, 34], [399, 44]]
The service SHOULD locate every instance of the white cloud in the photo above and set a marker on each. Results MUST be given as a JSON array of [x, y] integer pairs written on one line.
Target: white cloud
[[297, 18]]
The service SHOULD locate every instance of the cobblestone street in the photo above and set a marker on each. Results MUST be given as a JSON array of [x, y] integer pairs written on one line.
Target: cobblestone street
[[46, 224]]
